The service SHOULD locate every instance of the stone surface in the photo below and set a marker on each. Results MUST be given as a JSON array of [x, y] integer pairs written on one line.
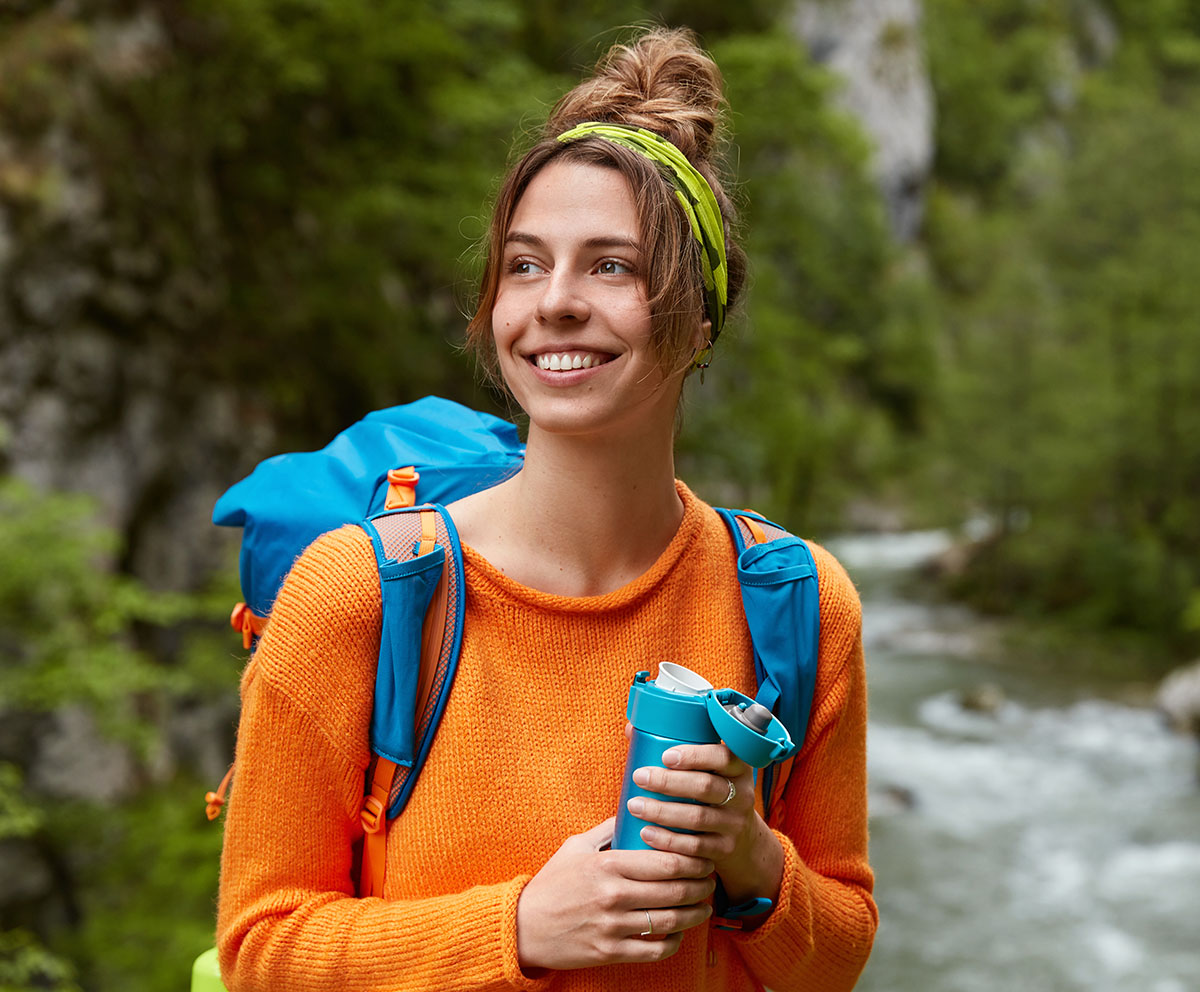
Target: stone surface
[[91, 402], [73, 761], [88, 401], [875, 47], [1179, 698]]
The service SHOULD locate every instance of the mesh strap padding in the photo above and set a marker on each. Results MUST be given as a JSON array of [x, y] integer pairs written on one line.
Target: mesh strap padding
[[401, 534], [770, 530]]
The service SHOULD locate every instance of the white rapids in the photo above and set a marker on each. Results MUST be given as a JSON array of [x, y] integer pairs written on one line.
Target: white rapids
[[1047, 841]]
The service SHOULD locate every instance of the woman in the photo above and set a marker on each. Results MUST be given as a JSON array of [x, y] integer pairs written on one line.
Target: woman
[[599, 296]]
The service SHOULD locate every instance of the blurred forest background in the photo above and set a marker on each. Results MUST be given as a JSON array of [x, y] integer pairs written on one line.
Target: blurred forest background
[[229, 228]]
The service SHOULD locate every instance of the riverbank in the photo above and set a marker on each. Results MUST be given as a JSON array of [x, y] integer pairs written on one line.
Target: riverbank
[[1043, 835]]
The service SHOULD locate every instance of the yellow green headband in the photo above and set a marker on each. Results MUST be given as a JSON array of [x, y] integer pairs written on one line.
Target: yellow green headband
[[694, 195]]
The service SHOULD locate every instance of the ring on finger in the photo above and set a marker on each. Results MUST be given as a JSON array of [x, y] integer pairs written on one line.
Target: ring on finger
[[649, 931], [732, 793]]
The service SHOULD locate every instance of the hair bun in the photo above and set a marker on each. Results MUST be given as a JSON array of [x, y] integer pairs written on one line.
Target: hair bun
[[661, 81]]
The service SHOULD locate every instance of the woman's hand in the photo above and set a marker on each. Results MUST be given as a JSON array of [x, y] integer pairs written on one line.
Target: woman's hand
[[726, 828], [589, 907]]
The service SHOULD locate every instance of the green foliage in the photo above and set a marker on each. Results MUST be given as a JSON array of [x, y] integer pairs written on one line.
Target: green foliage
[[1191, 612], [567, 38], [148, 878], [71, 630], [996, 68], [290, 180], [18, 816], [26, 966], [1162, 34], [67, 621], [797, 409], [1067, 408]]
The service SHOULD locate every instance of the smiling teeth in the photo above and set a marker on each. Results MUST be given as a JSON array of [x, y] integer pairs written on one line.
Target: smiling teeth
[[566, 361]]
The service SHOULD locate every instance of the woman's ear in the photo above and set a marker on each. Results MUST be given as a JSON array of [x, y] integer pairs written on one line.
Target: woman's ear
[[701, 348]]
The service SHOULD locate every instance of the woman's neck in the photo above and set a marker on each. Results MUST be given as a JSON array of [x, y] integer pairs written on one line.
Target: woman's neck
[[583, 517]]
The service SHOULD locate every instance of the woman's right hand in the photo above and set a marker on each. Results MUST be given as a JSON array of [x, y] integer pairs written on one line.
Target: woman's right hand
[[589, 907]]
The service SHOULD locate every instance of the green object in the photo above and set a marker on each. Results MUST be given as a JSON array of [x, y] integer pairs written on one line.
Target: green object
[[694, 195], [206, 973]]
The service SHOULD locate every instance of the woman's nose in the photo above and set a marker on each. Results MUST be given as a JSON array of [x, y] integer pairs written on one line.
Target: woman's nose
[[562, 299]]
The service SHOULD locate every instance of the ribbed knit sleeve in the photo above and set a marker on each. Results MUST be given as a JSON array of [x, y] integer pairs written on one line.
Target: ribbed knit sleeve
[[288, 916], [821, 931]]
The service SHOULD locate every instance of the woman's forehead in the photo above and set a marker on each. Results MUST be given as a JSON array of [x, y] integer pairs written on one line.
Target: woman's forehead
[[578, 199]]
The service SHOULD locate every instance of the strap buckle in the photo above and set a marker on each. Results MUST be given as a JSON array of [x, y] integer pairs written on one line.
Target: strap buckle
[[402, 488], [373, 815]]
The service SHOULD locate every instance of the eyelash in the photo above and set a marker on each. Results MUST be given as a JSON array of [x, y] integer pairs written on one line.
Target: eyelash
[[515, 265], [614, 261]]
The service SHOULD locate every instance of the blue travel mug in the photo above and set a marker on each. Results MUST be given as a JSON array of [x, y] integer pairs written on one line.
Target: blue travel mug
[[681, 707]]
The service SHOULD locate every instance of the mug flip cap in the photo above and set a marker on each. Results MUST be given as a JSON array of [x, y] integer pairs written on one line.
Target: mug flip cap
[[737, 718]]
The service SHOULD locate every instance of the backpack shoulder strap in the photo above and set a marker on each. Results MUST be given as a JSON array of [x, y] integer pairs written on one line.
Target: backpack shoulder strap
[[421, 581], [778, 579]]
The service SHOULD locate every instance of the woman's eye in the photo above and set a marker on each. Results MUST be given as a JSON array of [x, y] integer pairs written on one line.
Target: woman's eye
[[523, 267], [611, 267]]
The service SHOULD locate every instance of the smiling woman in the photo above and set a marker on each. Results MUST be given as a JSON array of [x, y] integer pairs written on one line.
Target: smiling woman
[[571, 323], [610, 271], [649, 112]]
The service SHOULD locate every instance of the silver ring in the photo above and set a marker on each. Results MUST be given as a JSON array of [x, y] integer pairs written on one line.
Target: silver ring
[[649, 925], [732, 792]]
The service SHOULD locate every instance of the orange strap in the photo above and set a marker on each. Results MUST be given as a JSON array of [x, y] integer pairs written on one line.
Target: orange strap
[[433, 629], [374, 821], [248, 623], [428, 532], [402, 488], [783, 772], [760, 535], [215, 800]]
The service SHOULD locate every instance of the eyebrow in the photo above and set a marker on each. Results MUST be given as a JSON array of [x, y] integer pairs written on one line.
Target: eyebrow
[[602, 241]]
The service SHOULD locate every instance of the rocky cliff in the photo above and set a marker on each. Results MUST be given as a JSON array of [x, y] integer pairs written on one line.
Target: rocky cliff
[[875, 49], [102, 336]]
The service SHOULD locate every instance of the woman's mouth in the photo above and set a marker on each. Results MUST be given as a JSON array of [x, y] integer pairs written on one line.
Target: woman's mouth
[[566, 361]]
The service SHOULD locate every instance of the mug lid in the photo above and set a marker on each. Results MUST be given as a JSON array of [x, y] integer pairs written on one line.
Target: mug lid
[[757, 748]]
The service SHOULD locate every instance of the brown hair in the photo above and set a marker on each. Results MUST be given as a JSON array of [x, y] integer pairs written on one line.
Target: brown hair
[[663, 82]]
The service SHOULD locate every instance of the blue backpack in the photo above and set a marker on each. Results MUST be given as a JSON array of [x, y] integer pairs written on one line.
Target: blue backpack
[[369, 475]]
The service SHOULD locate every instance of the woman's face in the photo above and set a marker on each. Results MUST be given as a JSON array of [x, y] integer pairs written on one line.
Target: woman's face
[[571, 320]]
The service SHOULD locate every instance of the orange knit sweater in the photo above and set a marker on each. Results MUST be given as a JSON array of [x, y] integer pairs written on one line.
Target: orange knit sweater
[[529, 751]]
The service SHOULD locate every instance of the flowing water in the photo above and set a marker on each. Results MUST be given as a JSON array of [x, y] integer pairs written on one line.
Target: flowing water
[[1047, 840]]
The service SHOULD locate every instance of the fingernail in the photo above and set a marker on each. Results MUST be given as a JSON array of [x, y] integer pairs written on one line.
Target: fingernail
[[636, 805], [671, 757]]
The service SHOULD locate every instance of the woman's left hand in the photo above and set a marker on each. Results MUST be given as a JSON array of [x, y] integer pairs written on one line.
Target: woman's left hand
[[726, 828]]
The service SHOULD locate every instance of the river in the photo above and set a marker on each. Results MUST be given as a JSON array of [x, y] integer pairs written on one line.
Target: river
[[1047, 842]]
